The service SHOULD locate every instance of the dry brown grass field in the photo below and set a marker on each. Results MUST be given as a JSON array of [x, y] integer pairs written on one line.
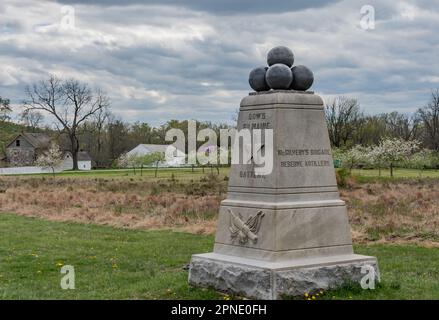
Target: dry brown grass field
[[379, 211]]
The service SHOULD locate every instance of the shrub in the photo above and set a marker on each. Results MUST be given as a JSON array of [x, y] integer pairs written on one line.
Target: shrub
[[342, 176]]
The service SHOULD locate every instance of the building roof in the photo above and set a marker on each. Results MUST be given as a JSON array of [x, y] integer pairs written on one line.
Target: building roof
[[83, 156], [37, 140], [150, 148], [155, 147]]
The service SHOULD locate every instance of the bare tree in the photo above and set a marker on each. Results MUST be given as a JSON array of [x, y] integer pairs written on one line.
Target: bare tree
[[369, 131], [342, 116], [429, 116], [93, 135], [32, 118], [117, 137], [5, 109], [401, 125], [70, 102]]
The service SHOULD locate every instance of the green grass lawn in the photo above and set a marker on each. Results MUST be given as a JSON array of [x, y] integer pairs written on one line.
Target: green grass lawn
[[365, 175], [128, 264], [109, 263], [397, 173], [180, 173]]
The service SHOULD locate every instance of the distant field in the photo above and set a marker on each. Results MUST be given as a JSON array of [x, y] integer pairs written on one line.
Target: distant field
[[115, 263], [146, 173], [189, 173], [398, 173]]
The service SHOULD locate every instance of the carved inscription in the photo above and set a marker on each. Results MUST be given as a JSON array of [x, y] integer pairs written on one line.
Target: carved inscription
[[303, 152], [294, 158], [256, 120], [245, 174]]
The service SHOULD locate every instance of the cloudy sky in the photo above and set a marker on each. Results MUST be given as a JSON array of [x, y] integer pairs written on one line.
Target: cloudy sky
[[170, 59]]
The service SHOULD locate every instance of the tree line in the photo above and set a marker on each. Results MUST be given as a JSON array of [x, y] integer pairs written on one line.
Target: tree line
[[107, 140], [349, 126], [82, 120]]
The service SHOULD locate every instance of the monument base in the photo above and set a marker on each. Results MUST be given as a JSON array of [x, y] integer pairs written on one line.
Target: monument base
[[266, 280]]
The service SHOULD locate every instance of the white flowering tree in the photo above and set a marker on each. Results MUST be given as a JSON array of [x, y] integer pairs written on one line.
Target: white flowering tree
[[140, 161], [149, 159], [423, 159], [127, 161], [392, 151], [51, 159], [351, 158], [376, 158]]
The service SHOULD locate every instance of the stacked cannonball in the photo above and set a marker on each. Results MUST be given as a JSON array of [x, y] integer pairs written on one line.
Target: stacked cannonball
[[280, 73]]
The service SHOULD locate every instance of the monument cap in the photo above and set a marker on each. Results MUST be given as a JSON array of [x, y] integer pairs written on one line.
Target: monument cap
[[257, 80], [279, 76], [280, 54], [303, 78]]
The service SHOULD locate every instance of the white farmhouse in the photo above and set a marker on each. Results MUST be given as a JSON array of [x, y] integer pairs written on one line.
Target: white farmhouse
[[178, 157]]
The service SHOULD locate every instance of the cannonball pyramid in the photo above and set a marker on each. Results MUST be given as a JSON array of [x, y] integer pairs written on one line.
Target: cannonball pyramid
[[280, 73]]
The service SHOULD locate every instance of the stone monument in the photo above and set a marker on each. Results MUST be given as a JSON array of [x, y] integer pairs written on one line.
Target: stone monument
[[285, 233]]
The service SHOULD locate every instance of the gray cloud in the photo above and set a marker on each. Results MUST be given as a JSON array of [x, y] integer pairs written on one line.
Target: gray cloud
[[159, 62], [223, 7]]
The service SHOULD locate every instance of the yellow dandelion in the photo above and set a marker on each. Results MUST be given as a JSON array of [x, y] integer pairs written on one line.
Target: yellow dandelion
[[313, 297], [306, 295]]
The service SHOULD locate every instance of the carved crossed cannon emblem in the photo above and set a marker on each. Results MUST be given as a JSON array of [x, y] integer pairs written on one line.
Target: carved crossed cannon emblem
[[244, 231]]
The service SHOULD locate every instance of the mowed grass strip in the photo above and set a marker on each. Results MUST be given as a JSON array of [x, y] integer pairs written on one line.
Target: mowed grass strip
[[397, 173], [148, 172], [132, 264], [197, 172]]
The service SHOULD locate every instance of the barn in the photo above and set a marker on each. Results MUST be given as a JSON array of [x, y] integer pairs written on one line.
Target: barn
[[24, 149]]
